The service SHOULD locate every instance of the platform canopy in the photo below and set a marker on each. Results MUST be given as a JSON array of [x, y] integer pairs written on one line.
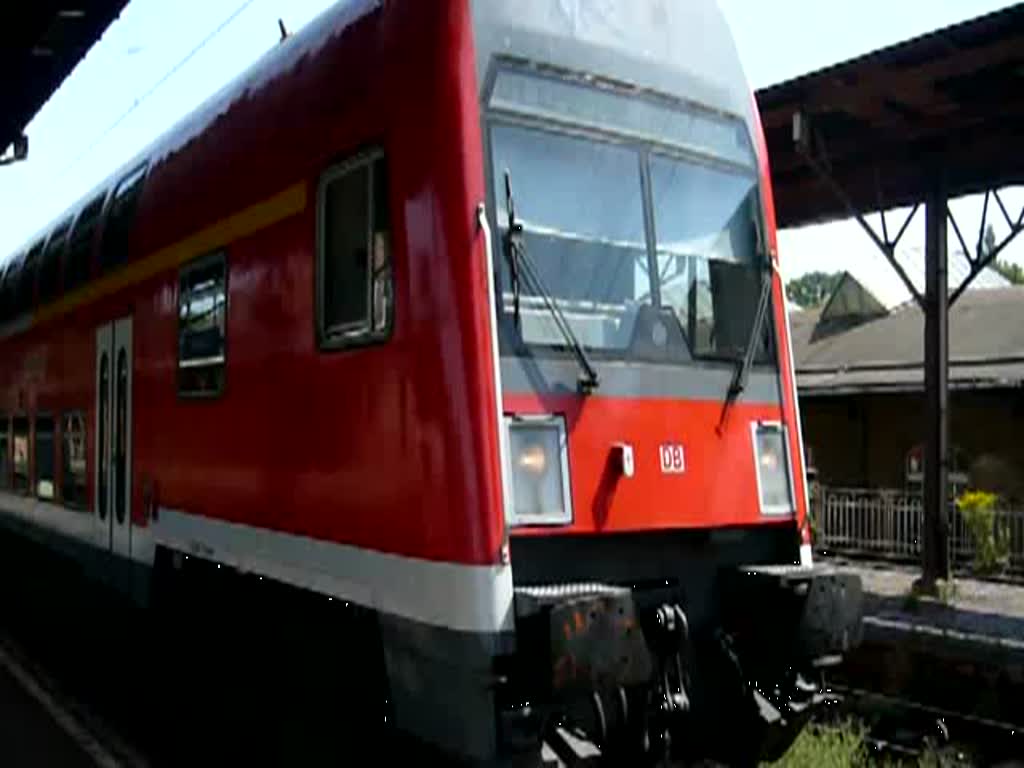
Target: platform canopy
[[951, 98], [41, 42]]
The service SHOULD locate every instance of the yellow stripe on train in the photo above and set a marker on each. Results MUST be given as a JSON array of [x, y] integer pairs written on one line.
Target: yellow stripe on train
[[248, 221]]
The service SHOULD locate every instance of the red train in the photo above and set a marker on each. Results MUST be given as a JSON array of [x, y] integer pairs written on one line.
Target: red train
[[466, 312]]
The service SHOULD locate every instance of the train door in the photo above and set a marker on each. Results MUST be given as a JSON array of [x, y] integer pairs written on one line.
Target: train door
[[114, 436]]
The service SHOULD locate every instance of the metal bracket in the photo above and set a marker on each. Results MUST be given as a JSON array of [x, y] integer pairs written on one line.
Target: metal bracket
[[981, 260]]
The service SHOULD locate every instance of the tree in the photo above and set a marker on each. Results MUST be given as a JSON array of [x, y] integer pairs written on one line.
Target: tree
[[812, 289], [990, 239], [1012, 272]]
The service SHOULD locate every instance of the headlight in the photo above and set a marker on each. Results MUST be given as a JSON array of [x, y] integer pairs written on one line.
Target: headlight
[[539, 471], [772, 462]]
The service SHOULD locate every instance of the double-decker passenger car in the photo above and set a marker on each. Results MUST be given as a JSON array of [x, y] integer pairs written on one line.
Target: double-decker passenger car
[[466, 312]]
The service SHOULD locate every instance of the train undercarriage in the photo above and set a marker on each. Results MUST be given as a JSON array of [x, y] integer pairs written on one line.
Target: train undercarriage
[[644, 672], [637, 673]]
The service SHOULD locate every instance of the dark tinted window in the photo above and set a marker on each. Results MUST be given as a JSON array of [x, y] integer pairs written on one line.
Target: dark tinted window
[[355, 284], [121, 438], [121, 220], [24, 299], [73, 481], [5, 452], [78, 258], [19, 455], [202, 324], [6, 293], [45, 458], [103, 426], [49, 267], [9, 290]]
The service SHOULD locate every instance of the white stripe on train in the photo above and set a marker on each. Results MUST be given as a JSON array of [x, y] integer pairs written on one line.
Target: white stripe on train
[[468, 598]]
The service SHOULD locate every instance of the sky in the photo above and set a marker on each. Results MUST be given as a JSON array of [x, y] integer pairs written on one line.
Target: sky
[[161, 59]]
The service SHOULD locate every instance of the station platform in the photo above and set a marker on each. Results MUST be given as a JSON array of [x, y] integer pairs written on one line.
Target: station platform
[[29, 734], [964, 652]]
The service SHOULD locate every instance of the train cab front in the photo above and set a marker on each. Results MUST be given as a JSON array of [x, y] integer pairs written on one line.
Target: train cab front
[[664, 595]]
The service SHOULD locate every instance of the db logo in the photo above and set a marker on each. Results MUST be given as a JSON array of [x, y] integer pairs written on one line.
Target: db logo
[[673, 459]]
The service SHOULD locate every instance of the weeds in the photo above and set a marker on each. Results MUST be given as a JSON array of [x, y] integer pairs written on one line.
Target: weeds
[[991, 536], [828, 746], [843, 745]]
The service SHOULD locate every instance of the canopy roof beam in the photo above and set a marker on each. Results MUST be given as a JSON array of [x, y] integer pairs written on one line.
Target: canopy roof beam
[[811, 146], [983, 258]]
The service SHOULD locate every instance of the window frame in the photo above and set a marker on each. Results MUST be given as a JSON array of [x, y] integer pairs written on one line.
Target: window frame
[[6, 458], [82, 506], [26, 419], [130, 187], [197, 264], [26, 275], [51, 263], [350, 336], [90, 217], [34, 461], [492, 114], [7, 290], [511, 342]]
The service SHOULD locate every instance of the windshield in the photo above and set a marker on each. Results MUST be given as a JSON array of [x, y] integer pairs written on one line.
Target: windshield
[[640, 213], [581, 208], [705, 221], [691, 293]]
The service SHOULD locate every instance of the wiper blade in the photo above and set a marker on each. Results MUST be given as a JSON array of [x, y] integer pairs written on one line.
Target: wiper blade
[[742, 371], [521, 265]]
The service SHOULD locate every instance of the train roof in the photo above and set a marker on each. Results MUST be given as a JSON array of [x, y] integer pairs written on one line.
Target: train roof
[[684, 50], [681, 49]]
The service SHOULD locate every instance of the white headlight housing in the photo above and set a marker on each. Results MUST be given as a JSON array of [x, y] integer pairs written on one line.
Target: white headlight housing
[[539, 471], [771, 462]]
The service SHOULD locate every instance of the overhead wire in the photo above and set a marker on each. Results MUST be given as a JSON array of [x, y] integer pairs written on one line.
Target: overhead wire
[[155, 87], [238, 11]]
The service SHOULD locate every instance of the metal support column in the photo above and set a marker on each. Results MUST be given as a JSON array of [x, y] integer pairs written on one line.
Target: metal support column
[[935, 553]]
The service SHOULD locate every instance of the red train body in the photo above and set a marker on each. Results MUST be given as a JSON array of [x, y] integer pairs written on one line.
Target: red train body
[[210, 364]]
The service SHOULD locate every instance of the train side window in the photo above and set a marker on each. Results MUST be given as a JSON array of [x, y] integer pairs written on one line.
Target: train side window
[[20, 478], [24, 298], [5, 452], [45, 458], [6, 292], [202, 326], [78, 257], [49, 267], [354, 275], [121, 219], [73, 458]]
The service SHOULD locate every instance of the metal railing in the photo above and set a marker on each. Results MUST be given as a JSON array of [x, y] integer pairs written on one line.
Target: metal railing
[[888, 523]]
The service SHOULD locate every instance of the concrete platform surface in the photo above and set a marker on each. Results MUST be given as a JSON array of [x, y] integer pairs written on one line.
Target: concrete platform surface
[[980, 622], [29, 735], [894, 580]]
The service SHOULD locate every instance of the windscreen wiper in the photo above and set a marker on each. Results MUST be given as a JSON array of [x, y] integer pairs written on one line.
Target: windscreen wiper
[[521, 266], [742, 370]]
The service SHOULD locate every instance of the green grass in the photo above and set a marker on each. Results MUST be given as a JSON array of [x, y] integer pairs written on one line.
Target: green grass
[[842, 745], [827, 746]]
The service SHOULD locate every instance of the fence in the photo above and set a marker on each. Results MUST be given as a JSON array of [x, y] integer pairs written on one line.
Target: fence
[[888, 523]]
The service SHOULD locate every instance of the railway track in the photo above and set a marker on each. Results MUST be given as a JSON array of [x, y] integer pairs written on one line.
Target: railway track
[[895, 728], [904, 729], [94, 738]]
